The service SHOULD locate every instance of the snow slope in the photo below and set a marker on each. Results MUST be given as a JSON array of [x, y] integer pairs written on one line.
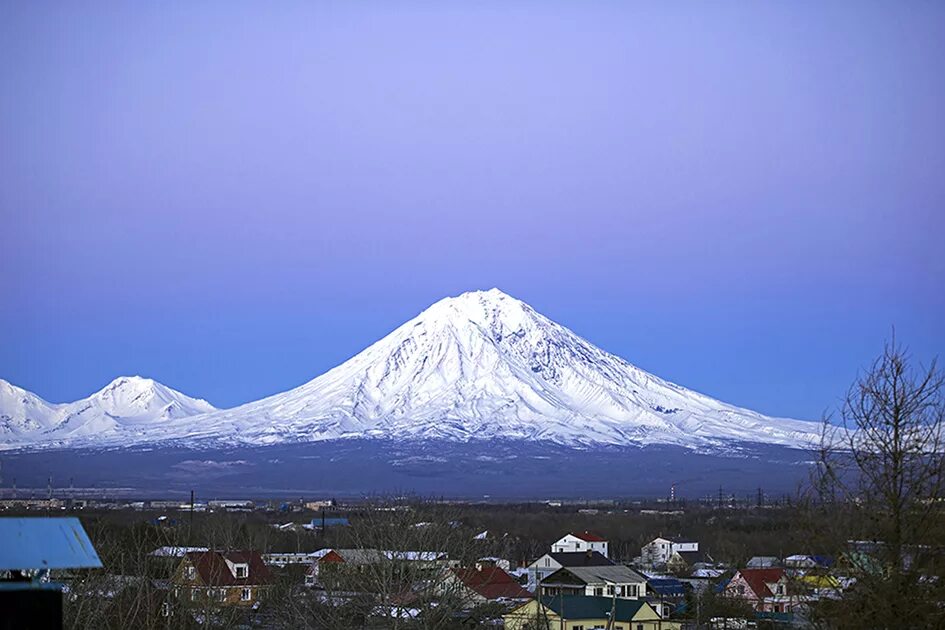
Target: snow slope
[[479, 366], [127, 408]]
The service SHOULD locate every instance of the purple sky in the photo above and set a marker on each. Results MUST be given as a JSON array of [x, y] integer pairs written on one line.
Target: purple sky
[[232, 198]]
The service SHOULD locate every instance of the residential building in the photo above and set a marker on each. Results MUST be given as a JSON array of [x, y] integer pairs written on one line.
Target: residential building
[[286, 559], [602, 581], [29, 549], [478, 586], [665, 594], [765, 589], [581, 541], [763, 562], [658, 551], [577, 612], [335, 564], [551, 562], [232, 578]]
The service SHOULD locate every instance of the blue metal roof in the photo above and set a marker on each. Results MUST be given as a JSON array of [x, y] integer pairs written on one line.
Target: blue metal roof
[[45, 543]]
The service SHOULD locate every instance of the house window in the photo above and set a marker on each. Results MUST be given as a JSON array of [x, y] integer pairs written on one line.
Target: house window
[[242, 570], [193, 595], [246, 594], [610, 589], [191, 573], [598, 591], [166, 609], [639, 626], [577, 628], [741, 589]]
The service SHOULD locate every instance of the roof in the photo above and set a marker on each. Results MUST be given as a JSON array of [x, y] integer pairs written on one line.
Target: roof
[[214, 570], [175, 552], [587, 536], [616, 573], [583, 607], [758, 579], [667, 587], [45, 543], [763, 561], [581, 559], [492, 583]]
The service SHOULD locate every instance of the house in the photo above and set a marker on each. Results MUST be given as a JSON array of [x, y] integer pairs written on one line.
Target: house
[[658, 551], [551, 562], [175, 552], [800, 561], [683, 562], [608, 581], [581, 541], [29, 549], [478, 586], [765, 589], [577, 612], [665, 594], [329, 564], [323, 523], [285, 559], [763, 562], [231, 578]]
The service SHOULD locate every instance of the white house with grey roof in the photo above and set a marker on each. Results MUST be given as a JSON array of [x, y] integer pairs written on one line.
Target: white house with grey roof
[[603, 581]]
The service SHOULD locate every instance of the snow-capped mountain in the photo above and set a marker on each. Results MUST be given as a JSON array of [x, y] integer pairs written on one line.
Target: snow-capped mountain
[[482, 365], [128, 407]]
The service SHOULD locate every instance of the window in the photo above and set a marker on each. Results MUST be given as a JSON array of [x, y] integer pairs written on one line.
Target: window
[[610, 589], [639, 626], [741, 589], [242, 570], [632, 590], [193, 595], [598, 591], [577, 628], [246, 595], [191, 572], [166, 610]]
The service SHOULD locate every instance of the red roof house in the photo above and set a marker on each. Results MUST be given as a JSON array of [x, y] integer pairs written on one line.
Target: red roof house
[[486, 584], [231, 577]]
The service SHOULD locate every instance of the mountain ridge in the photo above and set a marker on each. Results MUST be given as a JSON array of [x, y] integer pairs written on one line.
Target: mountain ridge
[[481, 365]]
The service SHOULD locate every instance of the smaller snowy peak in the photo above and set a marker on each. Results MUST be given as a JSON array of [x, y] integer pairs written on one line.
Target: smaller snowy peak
[[127, 402], [22, 411], [128, 396]]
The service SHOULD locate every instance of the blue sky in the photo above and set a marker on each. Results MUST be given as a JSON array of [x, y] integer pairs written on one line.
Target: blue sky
[[233, 197]]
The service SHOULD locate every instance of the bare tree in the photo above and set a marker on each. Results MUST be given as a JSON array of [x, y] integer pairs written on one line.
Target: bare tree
[[878, 491]]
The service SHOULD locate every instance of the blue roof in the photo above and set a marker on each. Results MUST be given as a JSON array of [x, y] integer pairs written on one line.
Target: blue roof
[[45, 543], [668, 587]]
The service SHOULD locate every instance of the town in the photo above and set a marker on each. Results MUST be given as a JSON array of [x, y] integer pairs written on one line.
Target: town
[[405, 562]]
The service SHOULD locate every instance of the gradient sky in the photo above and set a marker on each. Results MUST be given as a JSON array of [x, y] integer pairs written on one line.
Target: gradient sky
[[232, 198]]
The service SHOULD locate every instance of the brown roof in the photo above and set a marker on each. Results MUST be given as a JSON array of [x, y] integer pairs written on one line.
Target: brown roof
[[492, 583], [588, 537], [214, 571]]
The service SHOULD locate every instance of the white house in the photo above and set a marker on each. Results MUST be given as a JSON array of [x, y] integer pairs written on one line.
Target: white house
[[551, 562], [581, 541], [658, 551], [607, 581]]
